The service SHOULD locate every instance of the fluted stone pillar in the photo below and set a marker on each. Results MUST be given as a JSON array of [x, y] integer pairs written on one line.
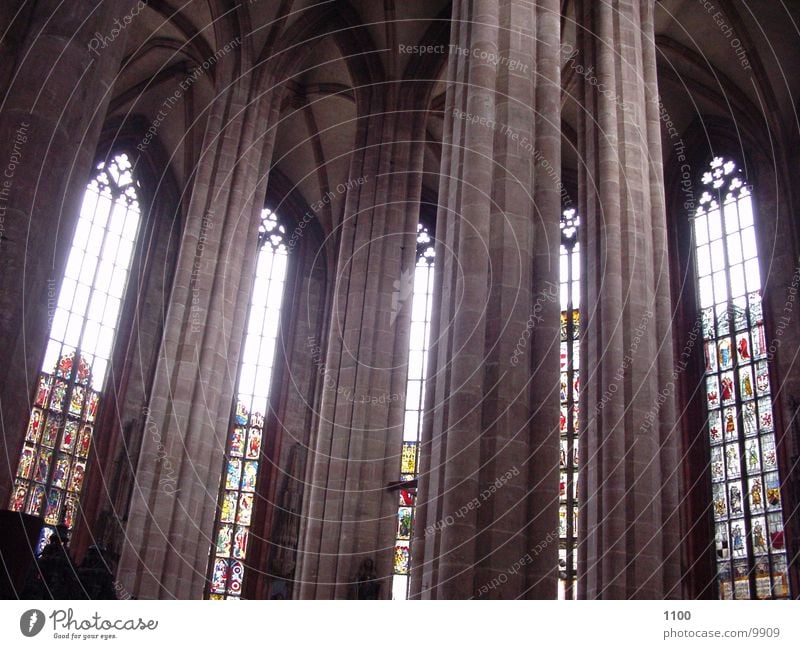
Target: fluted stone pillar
[[50, 119], [628, 525], [487, 518], [355, 453], [187, 421]]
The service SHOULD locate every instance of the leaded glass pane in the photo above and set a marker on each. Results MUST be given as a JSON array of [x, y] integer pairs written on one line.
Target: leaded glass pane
[[52, 463], [227, 569], [568, 398], [751, 559], [421, 309]]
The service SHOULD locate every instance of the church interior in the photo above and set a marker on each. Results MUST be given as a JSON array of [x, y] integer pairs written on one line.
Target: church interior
[[344, 299]]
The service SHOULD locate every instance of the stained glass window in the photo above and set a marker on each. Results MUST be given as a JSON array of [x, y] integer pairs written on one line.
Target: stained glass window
[[569, 277], [84, 320], [748, 517], [243, 452], [421, 307]]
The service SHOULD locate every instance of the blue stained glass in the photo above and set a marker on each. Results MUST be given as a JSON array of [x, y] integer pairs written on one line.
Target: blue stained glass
[[234, 474], [72, 374], [745, 483], [227, 572], [421, 289]]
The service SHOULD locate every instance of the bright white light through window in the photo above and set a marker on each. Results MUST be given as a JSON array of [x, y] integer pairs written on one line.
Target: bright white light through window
[[421, 309], [52, 465], [746, 485], [569, 278], [243, 453]]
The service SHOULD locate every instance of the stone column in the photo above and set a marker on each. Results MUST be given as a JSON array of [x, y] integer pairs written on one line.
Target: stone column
[[487, 518], [628, 528], [50, 120], [178, 475], [349, 514]]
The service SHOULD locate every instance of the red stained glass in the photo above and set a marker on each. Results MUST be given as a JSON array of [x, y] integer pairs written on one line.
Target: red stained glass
[[36, 501], [245, 436], [407, 498], [76, 479], [254, 443], [236, 577], [240, 542], [237, 442], [26, 462], [42, 466], [91, 409], [84, 441], [65, 387], [70, 436], [401, 558], [34, 426], [43, 390], [245, 512], [18, 499], [50, 434], [60, 472], [58, 395], [745, 486], [84, 373], [64, 367], [219, 577], [53, 507], [76, 400], [70, 511]]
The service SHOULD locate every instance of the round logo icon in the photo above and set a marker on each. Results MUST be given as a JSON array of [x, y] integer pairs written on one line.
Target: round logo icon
[[31, 622]]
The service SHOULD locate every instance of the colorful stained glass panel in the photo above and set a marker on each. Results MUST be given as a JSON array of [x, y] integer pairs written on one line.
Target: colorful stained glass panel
[[245, 512], [18, 499], [34, 426], [254, 443], [401, 558], [409, 458], [61, 471], [236, 578], [26, 462], [91, 409], [219, 577], [237, 442], [42, 470], [250, 476], [240, 542], [58, 396], [70, 436], [228, 512], [243, 449], [76, 479], [234, 474], [84, 440], [70, 510], [224, 540], [51, 428], [53, 507]]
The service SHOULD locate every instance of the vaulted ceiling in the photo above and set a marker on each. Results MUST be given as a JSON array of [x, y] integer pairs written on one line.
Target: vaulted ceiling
[[342, 45]]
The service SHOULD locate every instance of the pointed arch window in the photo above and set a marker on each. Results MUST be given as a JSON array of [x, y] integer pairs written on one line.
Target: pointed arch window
[[243, 450], [84, 321], [747, 510], [569, 277], [421, 310]]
